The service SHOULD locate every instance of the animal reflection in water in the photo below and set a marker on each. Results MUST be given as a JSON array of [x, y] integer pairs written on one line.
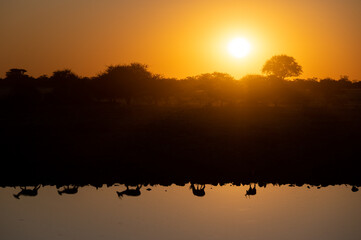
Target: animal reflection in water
[[27, 192], [198, 190], [251, 191], [68, 190], [130, 192]]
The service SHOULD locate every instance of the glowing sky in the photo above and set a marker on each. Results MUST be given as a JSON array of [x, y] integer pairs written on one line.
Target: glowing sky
[[179, 38]]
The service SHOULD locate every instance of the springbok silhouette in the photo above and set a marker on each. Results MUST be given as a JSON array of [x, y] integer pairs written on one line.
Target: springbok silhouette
[[198, 190], [130, 192], [68, 190], [251, 191], [27, 192]]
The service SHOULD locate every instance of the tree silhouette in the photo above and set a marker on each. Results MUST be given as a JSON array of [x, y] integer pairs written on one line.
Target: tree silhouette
[[22, 86], [65, 83], [134, 84], [125, 82], [282, 66], [216, 87], [16, 74]]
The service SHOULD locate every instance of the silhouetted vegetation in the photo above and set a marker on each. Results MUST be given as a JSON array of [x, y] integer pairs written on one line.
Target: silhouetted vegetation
[[128, 121], [134, 85], [282, 66]]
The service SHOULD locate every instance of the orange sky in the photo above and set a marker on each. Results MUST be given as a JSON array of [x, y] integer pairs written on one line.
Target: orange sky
[[179, 38]]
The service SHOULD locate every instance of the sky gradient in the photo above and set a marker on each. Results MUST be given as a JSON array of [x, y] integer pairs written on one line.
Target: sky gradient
[[179, 38]]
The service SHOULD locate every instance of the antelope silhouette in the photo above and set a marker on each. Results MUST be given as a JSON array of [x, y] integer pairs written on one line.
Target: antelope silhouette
[[130, 192], [68, 190], [198, 190], [251, 191], [27, 192]]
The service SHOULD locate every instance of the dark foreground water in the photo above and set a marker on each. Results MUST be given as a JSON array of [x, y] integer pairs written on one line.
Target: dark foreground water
[[174, 212]]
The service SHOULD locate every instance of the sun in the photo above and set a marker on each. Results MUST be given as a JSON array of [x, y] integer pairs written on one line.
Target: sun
[[239, 47]]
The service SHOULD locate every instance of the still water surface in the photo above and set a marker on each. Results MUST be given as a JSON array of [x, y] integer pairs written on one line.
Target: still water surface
[[275, 212]]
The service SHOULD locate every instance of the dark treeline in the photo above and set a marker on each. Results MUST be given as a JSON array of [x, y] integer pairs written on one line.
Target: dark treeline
[[134, 85], [127, 124]]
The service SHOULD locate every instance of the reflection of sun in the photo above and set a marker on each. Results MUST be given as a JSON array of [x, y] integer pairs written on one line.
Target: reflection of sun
[[239, 47]]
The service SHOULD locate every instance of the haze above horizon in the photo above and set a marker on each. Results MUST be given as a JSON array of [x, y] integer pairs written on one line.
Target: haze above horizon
[[179, 38]]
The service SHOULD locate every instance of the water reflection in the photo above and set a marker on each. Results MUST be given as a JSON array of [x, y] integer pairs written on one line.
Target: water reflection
[[27, 192], [68, 190], [198, 190], [251, 191], [278, 212], [134, 192]]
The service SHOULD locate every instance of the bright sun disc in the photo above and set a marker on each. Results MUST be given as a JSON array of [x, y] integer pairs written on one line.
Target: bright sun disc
[[239, 47]]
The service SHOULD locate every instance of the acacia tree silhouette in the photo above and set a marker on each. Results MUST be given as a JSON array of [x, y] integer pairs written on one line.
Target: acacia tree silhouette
[[22, 86], [16, 74], [282, 66]]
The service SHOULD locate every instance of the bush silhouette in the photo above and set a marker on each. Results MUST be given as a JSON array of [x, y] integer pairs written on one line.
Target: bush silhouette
[[134, 84], [126, 82]]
